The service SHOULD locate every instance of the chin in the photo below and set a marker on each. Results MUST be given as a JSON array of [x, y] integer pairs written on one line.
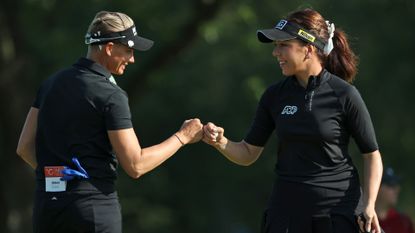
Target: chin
[[118, 72], [285, 73]]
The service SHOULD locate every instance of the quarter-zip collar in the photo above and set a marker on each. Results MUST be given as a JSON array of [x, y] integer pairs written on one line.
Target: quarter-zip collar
[[313, 83]]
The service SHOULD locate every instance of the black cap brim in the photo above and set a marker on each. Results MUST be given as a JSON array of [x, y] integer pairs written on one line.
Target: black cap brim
[[141, 43], [270, 35]]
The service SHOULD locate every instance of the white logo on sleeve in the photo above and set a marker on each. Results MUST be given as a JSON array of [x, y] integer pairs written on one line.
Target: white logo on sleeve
[[289, 110]]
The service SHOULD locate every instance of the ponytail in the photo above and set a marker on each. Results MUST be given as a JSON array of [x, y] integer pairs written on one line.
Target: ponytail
[[342, 61]]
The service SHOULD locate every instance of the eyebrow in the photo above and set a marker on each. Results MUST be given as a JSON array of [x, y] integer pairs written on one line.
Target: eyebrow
[[284, 42]]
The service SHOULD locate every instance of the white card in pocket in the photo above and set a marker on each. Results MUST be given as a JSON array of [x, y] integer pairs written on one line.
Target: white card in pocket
[[53, 182]]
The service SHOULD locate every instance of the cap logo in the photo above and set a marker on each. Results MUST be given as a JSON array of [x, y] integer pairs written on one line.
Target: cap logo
[[281, 24], [130, 43], [134, 31], [306, 35]]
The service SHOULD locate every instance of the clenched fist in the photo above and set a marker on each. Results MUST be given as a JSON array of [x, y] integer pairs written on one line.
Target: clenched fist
[[191, 131]]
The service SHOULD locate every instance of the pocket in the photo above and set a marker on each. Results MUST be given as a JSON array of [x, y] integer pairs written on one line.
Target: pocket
[[344, 223], [264, 225], [275, 221]]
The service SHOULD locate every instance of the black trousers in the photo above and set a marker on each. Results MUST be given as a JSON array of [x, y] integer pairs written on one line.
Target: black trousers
[[76, 212], [303, 208], [315, 224]]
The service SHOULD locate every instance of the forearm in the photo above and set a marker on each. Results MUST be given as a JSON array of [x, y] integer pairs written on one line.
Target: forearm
[[26, 147], [151, 157], [137, 161], [372, 177], [239, 152]]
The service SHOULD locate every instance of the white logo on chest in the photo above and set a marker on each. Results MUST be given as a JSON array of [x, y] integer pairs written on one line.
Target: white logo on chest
[[289, 110]]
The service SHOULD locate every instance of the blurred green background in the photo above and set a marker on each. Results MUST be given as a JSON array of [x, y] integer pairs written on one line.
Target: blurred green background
[[206, 63]]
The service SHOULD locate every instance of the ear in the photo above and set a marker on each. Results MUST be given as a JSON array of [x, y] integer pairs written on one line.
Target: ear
[[108, 49], [309, 49]]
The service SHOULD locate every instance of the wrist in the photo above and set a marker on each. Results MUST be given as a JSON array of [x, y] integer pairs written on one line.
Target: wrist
[[179, 138], [221, 145], [368, 204]]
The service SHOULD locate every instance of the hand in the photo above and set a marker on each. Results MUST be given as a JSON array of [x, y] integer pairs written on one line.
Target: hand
[[214, 135], [191, 131], [368, 221]]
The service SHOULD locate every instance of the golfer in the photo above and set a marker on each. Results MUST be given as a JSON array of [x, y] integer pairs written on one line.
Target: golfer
[[79, 128], [314, 111]]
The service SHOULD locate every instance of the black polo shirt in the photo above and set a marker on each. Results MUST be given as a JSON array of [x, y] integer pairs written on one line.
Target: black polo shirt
[[313, 126], [77, 106]]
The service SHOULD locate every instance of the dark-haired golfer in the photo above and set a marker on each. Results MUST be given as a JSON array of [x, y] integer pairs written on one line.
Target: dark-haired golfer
[[314, 112]]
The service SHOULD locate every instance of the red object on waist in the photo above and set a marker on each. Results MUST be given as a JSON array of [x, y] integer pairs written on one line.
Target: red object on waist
[[53, 171]]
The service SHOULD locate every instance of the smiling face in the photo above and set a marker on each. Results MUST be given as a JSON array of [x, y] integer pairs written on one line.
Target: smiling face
[[291, 56], [119, 56]]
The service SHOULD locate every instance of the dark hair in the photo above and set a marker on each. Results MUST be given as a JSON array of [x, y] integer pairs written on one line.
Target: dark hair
[[341, 61]]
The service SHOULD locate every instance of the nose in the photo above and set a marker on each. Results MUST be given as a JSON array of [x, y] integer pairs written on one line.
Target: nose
[[276, 51], [131, 60]]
